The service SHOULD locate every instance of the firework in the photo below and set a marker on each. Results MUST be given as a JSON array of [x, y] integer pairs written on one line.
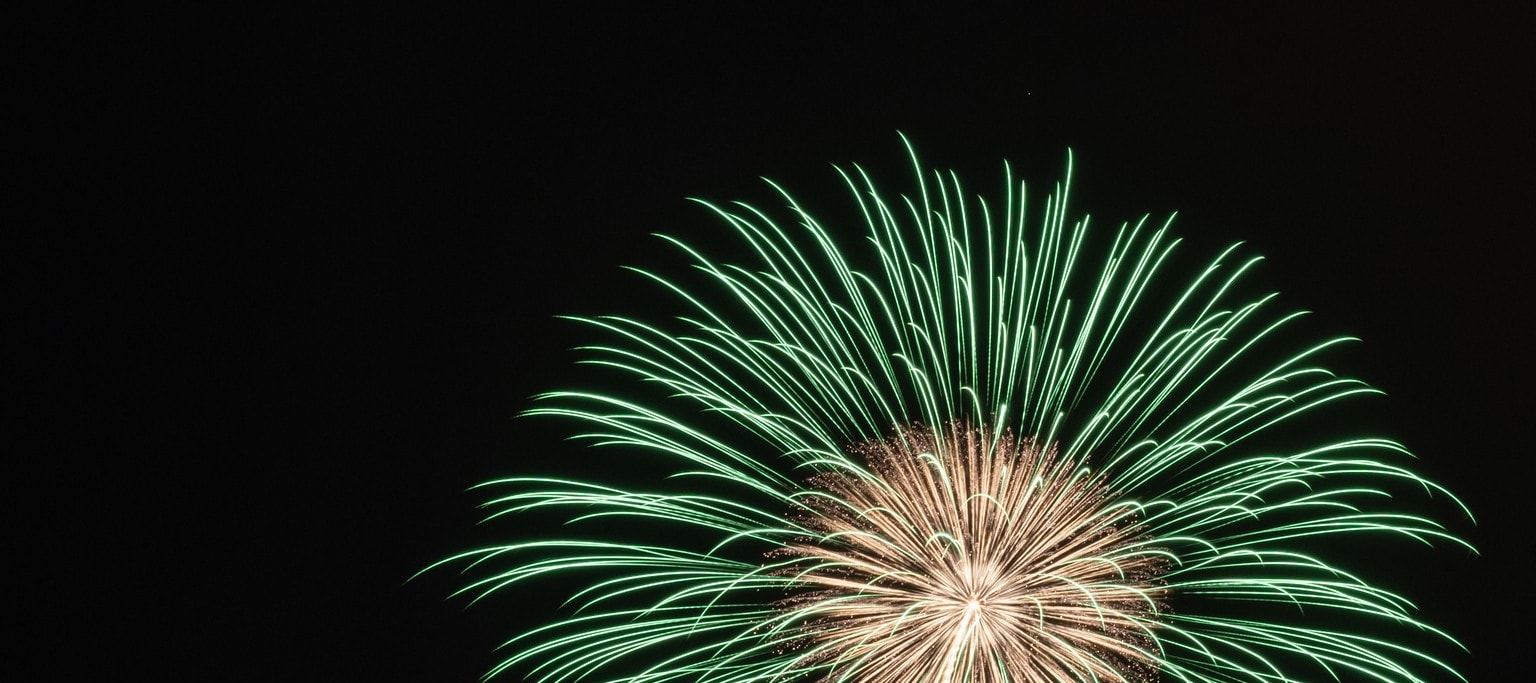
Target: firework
[[993, 453], [964, 558]]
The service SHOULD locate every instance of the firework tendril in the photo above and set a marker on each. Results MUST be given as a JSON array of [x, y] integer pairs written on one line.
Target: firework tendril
[[990, 453]]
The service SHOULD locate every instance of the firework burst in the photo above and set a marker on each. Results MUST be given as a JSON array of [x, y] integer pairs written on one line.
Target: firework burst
[[1106, 488], [958, 557]]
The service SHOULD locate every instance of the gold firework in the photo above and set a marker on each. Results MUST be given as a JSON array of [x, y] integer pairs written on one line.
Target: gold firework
[[962, 556]]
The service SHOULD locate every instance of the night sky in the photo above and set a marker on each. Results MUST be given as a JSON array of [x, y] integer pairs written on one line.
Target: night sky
[[310, 264]]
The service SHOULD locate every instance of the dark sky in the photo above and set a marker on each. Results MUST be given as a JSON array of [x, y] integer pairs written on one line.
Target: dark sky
[[312, 262]]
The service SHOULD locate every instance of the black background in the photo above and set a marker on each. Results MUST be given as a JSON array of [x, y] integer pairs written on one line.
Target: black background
[[305, 266]]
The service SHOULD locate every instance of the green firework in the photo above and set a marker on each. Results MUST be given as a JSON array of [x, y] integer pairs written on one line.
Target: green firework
[[988, 452]]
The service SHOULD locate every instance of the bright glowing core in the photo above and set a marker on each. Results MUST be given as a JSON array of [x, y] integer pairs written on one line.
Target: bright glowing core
[[954, 558]]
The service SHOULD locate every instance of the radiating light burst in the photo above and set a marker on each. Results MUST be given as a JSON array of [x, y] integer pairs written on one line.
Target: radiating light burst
[[991, 453], [955, 556]]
